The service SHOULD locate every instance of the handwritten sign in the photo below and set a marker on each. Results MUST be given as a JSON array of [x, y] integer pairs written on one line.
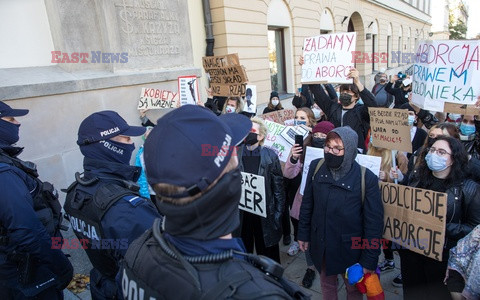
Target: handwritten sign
[[414, 218], [188, 89], [446, 72], [370, 162], [328, 58], [390, 129], [275, 141], [227, 77], [250, 99], [253, 197], [279, 116], [157, 99]]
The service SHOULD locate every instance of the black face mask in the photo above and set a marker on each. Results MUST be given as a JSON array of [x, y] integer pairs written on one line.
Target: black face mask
[[333, 161], [318, 142], [345, 99], [251, 139]]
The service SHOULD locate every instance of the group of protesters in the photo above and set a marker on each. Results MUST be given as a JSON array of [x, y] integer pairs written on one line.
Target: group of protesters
[[182, 222]]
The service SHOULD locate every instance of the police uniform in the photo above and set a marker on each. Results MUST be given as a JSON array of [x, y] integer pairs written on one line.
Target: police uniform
[[29, 267], [103, 205], [192, 255]]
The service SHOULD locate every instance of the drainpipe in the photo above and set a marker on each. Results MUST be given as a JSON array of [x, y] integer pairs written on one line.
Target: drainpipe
[[207, 14]]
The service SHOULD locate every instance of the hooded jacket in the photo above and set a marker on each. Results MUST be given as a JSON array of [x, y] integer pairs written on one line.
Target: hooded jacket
[[333, 217]]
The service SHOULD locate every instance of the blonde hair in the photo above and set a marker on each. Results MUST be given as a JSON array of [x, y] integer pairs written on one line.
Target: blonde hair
[[386, 156], [263, 128], [238, 102], [164, 190]]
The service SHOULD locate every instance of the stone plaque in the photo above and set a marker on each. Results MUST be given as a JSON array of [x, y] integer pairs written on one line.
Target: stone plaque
[[154, 33]]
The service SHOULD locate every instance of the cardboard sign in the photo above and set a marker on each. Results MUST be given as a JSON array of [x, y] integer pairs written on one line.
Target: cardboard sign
[[390, 129], [289, 132], [279, 116], [227, 77], [370, 162], [157, 99], [250, 101], [253, 194], [328, 58], [275, 141], [414, 218], [188, 90], [446, 71]]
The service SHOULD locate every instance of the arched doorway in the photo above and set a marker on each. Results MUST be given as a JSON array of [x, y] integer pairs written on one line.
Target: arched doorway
[[355, 24]]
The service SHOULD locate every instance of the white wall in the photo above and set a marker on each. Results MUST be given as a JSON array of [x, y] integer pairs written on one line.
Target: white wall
[[25, 34]]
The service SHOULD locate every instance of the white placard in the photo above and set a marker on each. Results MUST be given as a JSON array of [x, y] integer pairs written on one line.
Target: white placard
[[253, 194]]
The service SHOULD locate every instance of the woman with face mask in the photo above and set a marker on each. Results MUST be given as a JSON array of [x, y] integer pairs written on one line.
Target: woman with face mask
[[469, 134], [417, 135], [334, 212], [259, 233], [293, 171], [233, 105], [273, 104], [443, 169]]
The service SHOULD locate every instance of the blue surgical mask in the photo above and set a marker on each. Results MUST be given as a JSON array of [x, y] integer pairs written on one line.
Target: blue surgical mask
[[300, 122], [455, 117], [411, 120], [435, 162], [467, 129]]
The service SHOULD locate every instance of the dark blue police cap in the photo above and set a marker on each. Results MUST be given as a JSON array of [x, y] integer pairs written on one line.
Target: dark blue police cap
[[191, 146], [104, 125], [7, 111]]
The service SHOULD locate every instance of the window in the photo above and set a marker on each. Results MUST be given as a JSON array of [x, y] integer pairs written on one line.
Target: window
[[276, 57], [374, 49], [389, 38]]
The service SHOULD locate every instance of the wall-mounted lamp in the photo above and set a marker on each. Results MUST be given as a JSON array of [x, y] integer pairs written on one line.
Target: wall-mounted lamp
[[368, 36], [371, 23], [344, 19]]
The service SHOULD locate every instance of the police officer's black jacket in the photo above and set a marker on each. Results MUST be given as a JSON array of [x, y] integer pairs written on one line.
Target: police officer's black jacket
[[24, 231], [108, 212]]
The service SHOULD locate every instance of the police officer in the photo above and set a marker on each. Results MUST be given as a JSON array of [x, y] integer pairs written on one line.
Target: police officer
[[29, 267], [104, 205], [192, 165]]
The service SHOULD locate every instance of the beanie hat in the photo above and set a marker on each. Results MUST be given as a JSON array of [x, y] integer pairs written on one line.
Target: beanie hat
[[323, 127], [273, 94]]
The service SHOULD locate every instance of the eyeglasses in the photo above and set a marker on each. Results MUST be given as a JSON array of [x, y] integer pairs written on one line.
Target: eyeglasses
[[333, 150], [440, 152]]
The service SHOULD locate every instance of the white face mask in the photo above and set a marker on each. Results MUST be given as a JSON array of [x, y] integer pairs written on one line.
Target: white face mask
[[230, 109], [275, 102], [317, 112]]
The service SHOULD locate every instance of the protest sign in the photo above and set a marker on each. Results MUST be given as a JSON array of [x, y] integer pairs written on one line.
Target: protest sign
[[227, 77], [289, 132], [188, 89], [250, 102], [279, 116], [390, 129], [370, 162], [328, 58], [414, 218], [446, 71], [157, 99], [275, 141], [253, 194]]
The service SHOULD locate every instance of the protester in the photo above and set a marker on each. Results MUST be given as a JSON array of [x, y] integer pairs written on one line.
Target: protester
[[145, 120], [273, 104], [336, 209], [382, 98], [145, 190], [259, 233], [470, 134], [443, 169], [318, 113], [303, 97], [293, 169], [303, 117], [214, 102], [30, 267], [417, 135], [105, 200], [463, 274], [193, 255], [401, 93], [232, 105], [348, 112]]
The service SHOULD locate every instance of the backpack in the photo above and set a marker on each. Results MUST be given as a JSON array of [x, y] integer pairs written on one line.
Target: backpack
[[363, 170], [46, 205]]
